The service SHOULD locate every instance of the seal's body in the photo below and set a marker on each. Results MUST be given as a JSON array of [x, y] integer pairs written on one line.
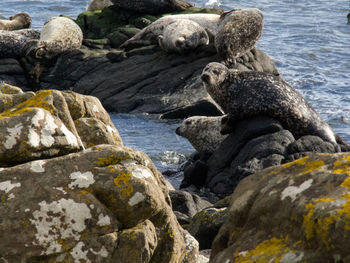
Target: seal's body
[[238, 32], [18, 21], [246, 94], [195, 25], [153, 7]]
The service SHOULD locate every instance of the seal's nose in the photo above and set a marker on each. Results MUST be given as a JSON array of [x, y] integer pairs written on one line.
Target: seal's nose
[[177, 131], [205, 77]]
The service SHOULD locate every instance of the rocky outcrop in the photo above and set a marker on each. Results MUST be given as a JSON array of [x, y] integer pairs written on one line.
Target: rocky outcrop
[[296, 212], [143, 79], [60, 203]]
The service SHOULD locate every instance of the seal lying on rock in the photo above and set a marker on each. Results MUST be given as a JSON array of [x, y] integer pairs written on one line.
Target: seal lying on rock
[[99, 4], [183, 35], [58, 34], [154, 7], [202, 132], [18, 21], [238, 33], [251, 93], [195, 24]]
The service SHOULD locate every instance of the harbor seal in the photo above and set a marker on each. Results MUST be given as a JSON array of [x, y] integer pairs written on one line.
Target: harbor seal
[[244, 94], [150, 34], [202, 132], [58, 34], [153, 7], [98, 5], [183, 35], [238, 32], [17, 21]]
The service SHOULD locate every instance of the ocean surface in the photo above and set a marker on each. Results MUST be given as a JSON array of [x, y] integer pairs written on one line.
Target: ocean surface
[[309, 41]]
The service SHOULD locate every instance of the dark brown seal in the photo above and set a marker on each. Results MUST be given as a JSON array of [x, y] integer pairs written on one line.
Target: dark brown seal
[[250, 93], [154, 7]]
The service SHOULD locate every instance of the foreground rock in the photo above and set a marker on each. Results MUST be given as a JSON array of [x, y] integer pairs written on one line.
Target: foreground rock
[[105, 204], [297, 212]]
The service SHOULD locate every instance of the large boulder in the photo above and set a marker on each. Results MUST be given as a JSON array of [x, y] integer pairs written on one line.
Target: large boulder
[[296, 212], [105, 204]]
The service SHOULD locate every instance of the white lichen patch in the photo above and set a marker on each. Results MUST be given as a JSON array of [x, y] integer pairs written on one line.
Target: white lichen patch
[[48, 130], [103, 252], [293, 191], [71, 139], [103, 220], [291, 257], [13, 136], [33, 138], [11, 196], [27, 210], [62, 219], [111, 130], [81, 180], [136, 198], [7, 186], [60, 189], [128, 162], [37, 166], [142, 173], [95, 108], [78, 254], [39, 116]]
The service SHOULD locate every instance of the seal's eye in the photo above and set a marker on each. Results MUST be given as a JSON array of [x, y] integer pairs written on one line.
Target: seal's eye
[[187, 122], [216, 72]]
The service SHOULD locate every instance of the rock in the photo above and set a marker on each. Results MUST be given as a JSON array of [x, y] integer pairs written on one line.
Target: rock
[[95, 132], [98, 5], [205, 225], [186, 203], [296, 212], [95, 205]]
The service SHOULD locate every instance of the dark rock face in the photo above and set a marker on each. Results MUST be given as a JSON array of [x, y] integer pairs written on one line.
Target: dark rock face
[[253, 145]]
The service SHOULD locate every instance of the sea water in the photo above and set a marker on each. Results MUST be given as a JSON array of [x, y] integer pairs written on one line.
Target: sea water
[[309, 41]]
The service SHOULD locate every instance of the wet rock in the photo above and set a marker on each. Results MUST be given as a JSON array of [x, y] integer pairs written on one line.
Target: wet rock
[[94, 206], [295, 212]]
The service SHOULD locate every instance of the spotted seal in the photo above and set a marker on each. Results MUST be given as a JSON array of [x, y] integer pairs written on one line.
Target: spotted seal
[[246, 94], [98, 5], [195, 25], [238, 32], [17, 21], [58, 34], [153, 7], [202, 132]]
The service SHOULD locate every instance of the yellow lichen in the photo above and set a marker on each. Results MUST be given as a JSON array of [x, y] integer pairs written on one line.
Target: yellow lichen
[[111, 160], [122, 181], [316, 226], [301, 166], [40, 100], [342, 166], [271, 250]]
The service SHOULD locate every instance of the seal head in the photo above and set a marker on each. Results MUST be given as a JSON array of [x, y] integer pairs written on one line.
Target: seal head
[[17, 21]]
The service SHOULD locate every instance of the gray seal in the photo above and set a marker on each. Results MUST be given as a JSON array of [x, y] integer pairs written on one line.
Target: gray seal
[[153, 7], [238, 32], [244, 94], [202, 132], [161, 29], [17, 21], [183, 35]]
